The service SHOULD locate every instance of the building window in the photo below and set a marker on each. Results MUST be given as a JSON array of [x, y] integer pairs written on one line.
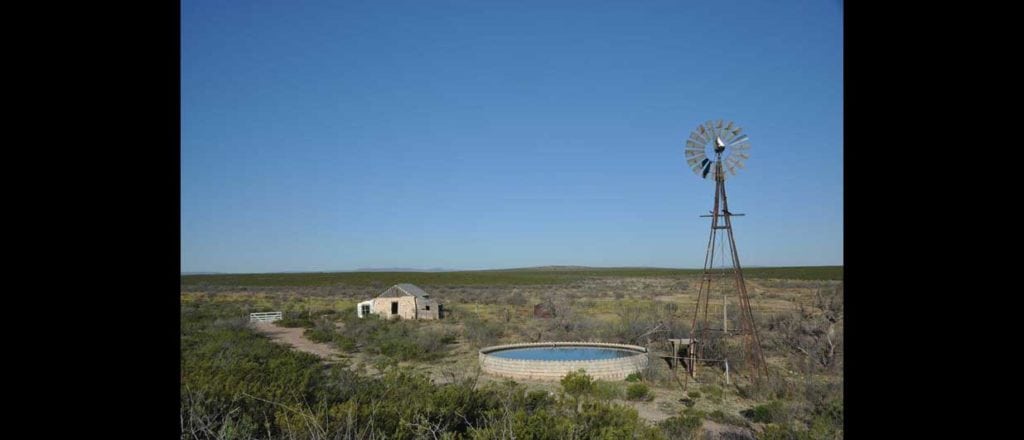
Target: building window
[[428, 307], [394, 307], [366, 309]]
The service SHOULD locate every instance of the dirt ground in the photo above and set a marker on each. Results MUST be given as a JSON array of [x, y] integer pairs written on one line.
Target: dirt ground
[[295, 338]]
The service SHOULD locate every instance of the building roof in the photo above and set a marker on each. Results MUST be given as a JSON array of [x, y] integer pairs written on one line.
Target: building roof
[[405, 289]]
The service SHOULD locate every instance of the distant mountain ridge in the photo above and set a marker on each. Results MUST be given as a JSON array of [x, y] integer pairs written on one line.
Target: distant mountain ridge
[[401, 269]]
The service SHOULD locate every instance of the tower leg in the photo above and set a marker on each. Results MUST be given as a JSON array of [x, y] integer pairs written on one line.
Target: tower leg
[[721, 219]]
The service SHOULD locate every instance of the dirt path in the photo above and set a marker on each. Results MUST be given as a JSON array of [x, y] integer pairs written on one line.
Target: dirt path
[[295, 338]]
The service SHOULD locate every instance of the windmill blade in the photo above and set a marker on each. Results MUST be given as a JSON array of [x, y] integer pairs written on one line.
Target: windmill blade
[[698, 138], [694, 153], [690, 143], [742, 146], [719, 123], [728, 126], [736, 159], [731, 164], [740, 139]]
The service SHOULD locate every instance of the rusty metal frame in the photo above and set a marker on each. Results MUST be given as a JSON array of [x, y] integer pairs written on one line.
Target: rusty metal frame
[[721, 220]]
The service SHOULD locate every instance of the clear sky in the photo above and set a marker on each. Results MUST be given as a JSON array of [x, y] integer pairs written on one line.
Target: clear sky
[[472, 134]]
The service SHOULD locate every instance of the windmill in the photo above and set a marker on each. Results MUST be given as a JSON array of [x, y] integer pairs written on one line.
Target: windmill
[[712, 150]]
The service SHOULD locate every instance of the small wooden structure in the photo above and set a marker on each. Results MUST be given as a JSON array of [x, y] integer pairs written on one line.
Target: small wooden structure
[[679, 354]]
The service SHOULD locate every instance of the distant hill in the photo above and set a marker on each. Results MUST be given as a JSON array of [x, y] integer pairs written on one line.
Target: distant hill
[[570, 268], [401, 269], [549, 275]]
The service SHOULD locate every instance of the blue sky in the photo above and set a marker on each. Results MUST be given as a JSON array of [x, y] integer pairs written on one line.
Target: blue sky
[[339, 135]]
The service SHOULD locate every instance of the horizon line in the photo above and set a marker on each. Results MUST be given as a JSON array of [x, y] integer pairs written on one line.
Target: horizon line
[[445, 270]]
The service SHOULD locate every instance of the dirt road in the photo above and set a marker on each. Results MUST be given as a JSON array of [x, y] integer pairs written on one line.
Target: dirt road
[[294, 338]]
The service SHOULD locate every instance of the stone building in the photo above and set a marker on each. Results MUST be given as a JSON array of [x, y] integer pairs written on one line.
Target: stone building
[[404, 301]]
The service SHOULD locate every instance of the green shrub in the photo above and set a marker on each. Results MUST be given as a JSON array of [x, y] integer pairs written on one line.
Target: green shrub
[[538, 399], [606, 390], [693, 394], [638, 391], [771, 412], [727, 418], [633, 377], [685, 426], [295, 319], [344, 343], [577, 383]]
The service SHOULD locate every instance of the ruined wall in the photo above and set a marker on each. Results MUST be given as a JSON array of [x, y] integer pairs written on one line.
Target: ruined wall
[[423, 312]]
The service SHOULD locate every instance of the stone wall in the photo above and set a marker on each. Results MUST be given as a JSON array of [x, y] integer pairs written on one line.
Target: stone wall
[[604, 369], [406, 307]]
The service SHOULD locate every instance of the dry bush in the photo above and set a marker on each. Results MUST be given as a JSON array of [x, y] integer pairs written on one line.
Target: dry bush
[[814, 333]]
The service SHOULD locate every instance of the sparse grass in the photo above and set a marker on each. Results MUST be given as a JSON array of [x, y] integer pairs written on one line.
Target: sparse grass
[[714, 393], [727, 418], [603, 308]]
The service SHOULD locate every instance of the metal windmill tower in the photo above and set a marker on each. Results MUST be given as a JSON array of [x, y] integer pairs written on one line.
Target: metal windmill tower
[[712, 149]]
